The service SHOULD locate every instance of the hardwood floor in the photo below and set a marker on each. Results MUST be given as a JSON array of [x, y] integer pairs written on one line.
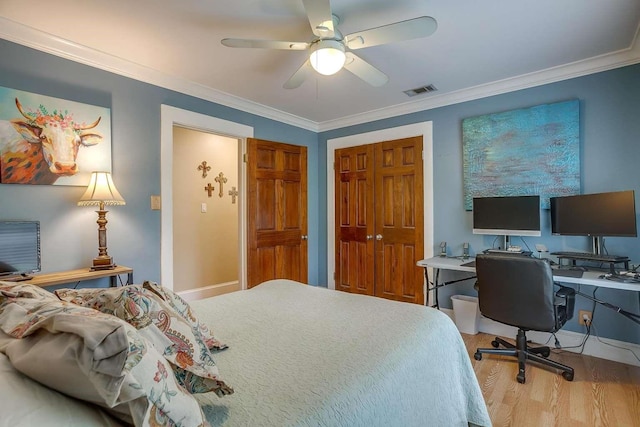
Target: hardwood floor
[[603, 393]]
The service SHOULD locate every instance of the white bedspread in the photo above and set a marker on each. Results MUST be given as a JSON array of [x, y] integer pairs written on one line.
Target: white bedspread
[[306, 356]]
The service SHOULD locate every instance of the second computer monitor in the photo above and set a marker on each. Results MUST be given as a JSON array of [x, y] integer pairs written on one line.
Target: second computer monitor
[[598, 215]]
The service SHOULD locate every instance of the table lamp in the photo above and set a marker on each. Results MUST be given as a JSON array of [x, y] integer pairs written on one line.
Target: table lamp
[[100, 192]]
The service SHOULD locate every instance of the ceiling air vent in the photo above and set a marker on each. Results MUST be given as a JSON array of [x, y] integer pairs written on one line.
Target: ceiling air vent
[[420, 90]]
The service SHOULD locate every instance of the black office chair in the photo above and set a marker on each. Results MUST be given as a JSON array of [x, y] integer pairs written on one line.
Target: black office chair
[[519, 291]]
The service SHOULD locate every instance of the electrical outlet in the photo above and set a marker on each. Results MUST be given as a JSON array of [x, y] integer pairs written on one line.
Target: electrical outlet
[[582, 314]]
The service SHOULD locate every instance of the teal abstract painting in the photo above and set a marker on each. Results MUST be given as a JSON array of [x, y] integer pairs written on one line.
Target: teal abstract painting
[[528, 151]]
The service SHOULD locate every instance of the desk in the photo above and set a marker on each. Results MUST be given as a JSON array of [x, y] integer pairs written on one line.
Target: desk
[[455, 264], [443, 263], [81, 275]]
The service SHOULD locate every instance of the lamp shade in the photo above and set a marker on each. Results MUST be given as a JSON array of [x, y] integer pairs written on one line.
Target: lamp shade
[[328, 57], [101, 190]]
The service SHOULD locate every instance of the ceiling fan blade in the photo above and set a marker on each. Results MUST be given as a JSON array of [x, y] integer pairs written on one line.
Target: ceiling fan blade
[[320, 17], [365, 71], [299, 76], [405, 30], [265, 44]]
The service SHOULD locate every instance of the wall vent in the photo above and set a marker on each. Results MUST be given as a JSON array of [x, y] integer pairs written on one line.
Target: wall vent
[[420, 90]]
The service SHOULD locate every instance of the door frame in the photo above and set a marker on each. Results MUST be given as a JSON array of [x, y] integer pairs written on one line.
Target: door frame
[[424, 129], [170, 117]]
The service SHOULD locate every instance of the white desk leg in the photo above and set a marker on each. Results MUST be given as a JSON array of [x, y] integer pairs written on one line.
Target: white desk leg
[[434, 289]]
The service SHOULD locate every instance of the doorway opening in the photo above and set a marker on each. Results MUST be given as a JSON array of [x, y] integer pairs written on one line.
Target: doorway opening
[[171, 118], [205, 212]]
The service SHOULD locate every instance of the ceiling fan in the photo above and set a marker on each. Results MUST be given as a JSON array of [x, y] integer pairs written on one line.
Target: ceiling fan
[[331, 51]]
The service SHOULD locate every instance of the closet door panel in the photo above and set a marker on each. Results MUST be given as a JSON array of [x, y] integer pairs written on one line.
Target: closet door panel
[[399, 220], [354, 219]]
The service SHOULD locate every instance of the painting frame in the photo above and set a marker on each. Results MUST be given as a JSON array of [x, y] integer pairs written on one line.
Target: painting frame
[[527, 151], [51, 141]]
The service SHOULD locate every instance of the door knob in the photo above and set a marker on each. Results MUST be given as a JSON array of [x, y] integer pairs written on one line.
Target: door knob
[[378, 236], [369, 236], [305, 237]]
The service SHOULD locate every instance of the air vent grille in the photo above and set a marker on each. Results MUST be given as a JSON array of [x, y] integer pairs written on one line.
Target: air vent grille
[[420, 90]]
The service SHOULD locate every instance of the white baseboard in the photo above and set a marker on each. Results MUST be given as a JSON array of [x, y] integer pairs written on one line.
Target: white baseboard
[[209, 291], [604, 348]]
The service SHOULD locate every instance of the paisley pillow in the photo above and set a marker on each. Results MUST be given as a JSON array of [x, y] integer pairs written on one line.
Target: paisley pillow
[[182, 308], [92, 356], [192, 362]]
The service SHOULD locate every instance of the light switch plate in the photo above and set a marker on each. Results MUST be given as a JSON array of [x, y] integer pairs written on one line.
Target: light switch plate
[[155, 203], [203, 207]]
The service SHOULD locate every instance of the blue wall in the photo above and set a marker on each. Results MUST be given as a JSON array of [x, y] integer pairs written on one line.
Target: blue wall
[[610, 161], [610, 153], [69, 233]]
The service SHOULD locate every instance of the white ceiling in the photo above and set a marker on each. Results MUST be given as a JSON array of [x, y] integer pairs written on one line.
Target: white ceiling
[[480, 48]]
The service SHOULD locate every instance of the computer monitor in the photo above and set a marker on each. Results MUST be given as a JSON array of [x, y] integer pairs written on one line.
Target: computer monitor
[[507, 216], [598, 215], [19, 249]]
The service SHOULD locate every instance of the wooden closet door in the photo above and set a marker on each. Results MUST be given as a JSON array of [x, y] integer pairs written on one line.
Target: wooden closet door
[[354, 217], [399, 223], [277, 212]]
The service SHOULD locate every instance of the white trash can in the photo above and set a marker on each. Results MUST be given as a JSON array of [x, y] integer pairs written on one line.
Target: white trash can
[[466, 313]]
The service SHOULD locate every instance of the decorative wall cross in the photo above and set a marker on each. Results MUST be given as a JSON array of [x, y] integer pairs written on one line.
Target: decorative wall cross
[[204, 168], [209, 188], [233, 193], [220, 179]]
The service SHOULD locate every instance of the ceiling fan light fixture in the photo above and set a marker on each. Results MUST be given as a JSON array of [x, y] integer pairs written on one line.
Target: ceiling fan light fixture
[[327, 57]]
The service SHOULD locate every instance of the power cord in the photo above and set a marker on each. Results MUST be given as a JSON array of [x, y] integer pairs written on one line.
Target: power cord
[[616, 346], [525, 243], [581, 345], [557, 343], [588, 322]]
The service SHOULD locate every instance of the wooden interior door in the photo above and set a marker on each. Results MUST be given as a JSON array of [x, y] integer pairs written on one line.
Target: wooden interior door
[[354, 219], [277, 212], [399, 223]]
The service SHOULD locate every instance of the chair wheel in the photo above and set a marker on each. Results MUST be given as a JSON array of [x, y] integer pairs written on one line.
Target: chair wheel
[[546, 353], [567, 376], [495, 344], [520, 378], [477, 355]]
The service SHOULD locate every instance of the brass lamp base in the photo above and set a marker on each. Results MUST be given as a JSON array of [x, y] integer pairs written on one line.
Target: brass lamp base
[[103, 263]]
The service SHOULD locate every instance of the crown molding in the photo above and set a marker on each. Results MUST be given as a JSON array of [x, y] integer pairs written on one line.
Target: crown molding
[[39, 40], [621, 58], [48, 43]]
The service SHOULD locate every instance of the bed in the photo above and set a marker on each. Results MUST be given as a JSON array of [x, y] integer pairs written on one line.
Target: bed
[[305, 356]]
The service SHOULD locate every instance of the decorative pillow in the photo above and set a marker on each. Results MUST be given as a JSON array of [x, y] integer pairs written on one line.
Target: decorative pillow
[[93, 356], [182, 308], [194, 366]]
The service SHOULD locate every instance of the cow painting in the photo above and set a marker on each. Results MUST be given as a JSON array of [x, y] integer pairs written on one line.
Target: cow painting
[[41, 146]]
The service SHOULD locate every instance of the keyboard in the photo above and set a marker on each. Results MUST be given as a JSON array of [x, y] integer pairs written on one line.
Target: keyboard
[[506, 252], [591, 257]]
